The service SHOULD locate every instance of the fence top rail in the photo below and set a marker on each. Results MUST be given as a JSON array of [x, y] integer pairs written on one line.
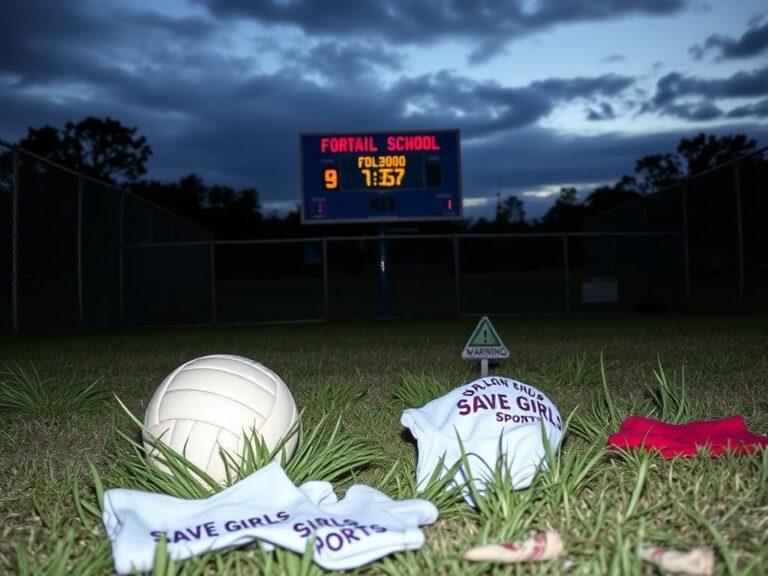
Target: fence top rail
[[100, 183], [321, 239], [683, 182], [17, 148]]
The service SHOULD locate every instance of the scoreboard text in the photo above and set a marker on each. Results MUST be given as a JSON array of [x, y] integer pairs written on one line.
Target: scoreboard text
[[380, 176]]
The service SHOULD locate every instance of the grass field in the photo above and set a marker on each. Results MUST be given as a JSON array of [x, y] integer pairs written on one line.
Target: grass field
[[606, 504]]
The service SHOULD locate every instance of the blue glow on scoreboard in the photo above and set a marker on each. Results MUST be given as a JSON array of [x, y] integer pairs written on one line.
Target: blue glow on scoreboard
[[380, 177]]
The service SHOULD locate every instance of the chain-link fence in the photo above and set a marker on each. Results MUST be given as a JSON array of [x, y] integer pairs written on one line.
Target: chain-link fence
[[722, 218], [61, 244], [404, 275], [700, 245], [77, 253]]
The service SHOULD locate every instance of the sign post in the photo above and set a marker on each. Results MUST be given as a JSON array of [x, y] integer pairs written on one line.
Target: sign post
[[483, 345], [381, 178], [384, 308]]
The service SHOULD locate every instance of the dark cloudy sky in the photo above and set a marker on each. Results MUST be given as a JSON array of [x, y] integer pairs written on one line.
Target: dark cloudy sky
[[546, 93]]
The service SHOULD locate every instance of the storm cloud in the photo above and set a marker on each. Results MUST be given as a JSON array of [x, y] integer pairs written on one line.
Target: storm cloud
[[752, 43], [223, 88], [694, 98]]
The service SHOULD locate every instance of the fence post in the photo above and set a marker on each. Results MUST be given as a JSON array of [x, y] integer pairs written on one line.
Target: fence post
[[739, 229], [214, 312], [566, 275], [15, 243], [121, 259], [456, 273], [326, 308], [686, 254], [80, 250]]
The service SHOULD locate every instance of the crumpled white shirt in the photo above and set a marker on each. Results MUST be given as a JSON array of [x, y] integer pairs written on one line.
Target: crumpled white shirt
[[267, 507], [493, 418]]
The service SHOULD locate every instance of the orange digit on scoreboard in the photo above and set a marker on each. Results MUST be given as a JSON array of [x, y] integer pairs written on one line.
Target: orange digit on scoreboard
[[331, 178]]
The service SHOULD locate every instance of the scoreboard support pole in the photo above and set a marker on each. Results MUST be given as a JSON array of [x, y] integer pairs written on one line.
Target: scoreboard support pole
[[380, 178], [384, 307]]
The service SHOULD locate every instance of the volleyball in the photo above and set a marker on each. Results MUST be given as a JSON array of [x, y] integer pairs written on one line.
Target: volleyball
[[214, 403]]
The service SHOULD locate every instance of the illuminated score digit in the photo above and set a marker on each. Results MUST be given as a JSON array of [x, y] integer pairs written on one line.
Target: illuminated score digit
[[382, 171], [387, 178], [383, 177], [331, 178]]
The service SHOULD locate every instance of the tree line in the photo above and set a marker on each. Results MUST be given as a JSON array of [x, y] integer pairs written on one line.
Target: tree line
[[107, 150], [652, 173]]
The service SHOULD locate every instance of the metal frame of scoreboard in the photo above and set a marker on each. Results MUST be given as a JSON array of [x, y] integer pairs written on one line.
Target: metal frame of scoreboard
[[380, 177]]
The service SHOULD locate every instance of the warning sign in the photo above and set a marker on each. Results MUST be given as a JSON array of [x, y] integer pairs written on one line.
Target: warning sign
[[484, 343]]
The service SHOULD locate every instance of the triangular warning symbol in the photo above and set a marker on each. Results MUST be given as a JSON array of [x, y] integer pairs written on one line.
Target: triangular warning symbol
[[484, 342], [484, 334]]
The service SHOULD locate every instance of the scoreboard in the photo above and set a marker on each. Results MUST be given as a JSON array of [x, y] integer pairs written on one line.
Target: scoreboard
[[380, 176]]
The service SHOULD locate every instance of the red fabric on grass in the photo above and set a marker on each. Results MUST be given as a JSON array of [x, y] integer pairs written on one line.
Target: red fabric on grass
[[717, 436]]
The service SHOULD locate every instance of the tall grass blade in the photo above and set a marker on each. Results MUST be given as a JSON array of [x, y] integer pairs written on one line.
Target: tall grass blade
[[722, 544], [592, 423], [162, 564], [637, 491], [326, 452], [668, 402], [80, 506], [416, 390], [442, 488], [24, 393]]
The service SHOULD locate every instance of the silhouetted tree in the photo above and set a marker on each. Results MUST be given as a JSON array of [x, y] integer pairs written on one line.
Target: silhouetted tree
[[703, 152], [605, 198], [566, 213], [47, 142], [510, 214], [657, 171], [483, 226], [275, 226], [102, 148], [184, 198], [235, 214], [228, 213], [192, 193]]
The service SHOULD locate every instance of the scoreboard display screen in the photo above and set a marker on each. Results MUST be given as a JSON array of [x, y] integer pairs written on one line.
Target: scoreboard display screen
[[380, 176]]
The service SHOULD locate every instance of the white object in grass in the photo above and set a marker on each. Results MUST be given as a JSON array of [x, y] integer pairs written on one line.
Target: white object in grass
[[266, 507], [493, 420], [537, 548], [696, 562], [214, 403]]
